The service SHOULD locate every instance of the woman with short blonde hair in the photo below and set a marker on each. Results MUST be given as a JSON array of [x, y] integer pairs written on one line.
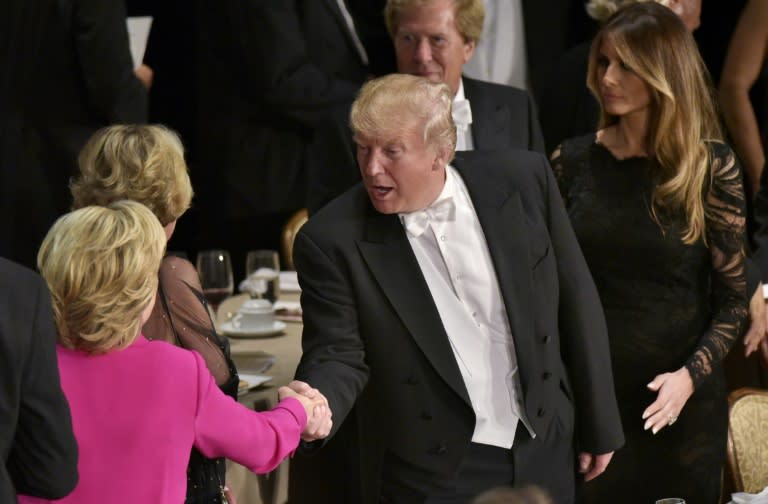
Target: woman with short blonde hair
[[139, 406], [99, 295], [145, 163], [142, 163]]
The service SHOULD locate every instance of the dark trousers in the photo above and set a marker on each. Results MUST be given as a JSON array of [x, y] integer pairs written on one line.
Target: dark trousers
[[550, 465]]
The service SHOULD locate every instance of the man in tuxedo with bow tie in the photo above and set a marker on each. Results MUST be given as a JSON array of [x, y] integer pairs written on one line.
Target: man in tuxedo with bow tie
[[435, 39], [450, 306]]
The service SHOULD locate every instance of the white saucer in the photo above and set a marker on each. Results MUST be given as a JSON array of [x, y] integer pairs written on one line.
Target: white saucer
[[243, 332]]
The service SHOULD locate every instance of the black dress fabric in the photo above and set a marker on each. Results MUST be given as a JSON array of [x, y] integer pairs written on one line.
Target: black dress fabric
[[667, 305], [181, 317]]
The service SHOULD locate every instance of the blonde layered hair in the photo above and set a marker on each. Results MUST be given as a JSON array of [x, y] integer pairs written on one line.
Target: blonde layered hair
[[468, 14], [101, 266], [397, 102], [653, 42], [144, 163]]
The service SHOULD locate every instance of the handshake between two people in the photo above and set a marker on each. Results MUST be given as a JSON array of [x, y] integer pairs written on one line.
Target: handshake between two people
[[319, 414]]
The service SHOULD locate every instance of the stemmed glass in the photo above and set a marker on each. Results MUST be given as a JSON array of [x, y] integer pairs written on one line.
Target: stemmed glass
[[262, 268], [215, 270]]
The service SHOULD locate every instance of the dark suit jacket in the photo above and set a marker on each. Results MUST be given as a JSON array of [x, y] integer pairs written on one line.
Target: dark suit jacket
[[373, 337], [68, 72], [275, 76], [503, 117], [36, 439]]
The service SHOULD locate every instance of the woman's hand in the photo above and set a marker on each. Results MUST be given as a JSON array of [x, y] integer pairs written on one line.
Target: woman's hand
[[674, 390], [757, 325], [319, 422]]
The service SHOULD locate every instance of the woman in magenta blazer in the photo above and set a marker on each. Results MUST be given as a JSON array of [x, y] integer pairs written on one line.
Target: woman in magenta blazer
[[138, 406]]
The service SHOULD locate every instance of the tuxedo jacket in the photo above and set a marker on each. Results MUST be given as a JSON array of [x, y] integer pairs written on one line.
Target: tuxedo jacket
[[36, 439], [503, 117], [276, 76], [373, 337]]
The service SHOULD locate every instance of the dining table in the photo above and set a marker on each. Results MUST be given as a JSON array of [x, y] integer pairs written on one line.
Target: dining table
[[251, 353]]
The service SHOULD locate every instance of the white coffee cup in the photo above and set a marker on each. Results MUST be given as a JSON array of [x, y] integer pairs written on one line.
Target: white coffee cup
[[254, 314]]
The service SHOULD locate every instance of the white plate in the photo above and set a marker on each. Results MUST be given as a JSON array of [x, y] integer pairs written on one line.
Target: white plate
[[243, 332], [249, 381]]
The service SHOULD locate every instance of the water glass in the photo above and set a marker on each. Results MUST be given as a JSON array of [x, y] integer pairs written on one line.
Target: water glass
[[262, 269]]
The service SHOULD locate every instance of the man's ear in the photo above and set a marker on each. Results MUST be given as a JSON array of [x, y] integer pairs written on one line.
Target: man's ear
[[469, 50], [442, 155]]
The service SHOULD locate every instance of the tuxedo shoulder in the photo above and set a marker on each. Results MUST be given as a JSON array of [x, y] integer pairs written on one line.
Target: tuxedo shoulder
[[18, 276], [504, 168], [341, 215], [494, 89], [501, 160]]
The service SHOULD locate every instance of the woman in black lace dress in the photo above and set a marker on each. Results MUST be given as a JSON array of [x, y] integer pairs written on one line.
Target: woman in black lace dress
[[657, 204], [146, 164]]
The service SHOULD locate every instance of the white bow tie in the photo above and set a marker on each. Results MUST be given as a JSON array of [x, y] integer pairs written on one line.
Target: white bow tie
[[416, 222], [462, 114]]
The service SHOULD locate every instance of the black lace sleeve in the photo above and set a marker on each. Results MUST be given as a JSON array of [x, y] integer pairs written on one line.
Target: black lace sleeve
[[181, 317], [725, 221]]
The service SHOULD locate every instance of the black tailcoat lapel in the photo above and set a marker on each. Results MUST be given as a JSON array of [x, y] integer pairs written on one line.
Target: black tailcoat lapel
[[500, 212]]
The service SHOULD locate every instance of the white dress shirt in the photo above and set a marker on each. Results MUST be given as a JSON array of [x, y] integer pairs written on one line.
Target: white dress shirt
[[500, 56], [462, 117], [451, 250]]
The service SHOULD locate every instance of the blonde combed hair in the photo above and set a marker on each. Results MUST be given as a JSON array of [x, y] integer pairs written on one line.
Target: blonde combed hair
[[143, 163], [654, 43], [601, 10], [469, 16], [101, 266], [397, 102]]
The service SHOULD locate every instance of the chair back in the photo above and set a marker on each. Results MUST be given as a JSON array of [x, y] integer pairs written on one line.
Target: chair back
[[748, 439], [290, 230]]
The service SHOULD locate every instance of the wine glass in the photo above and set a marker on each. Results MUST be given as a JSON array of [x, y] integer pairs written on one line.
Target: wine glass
[[215, 270], [262, 269]]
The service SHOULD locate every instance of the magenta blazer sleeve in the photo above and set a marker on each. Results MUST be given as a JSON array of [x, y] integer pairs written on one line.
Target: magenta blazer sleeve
[[256, 440]]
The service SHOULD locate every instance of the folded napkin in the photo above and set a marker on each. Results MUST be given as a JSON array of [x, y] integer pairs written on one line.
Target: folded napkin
[[289, 281], [744, 497], [257, 283], [288, 311]]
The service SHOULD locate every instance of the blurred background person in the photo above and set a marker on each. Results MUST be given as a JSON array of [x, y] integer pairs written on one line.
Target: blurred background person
[[657, 187], [145, 163], [101, 265], [67, 72], [744, 101], [522, 37], [36, 438], [276, 85], [744, 64]]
